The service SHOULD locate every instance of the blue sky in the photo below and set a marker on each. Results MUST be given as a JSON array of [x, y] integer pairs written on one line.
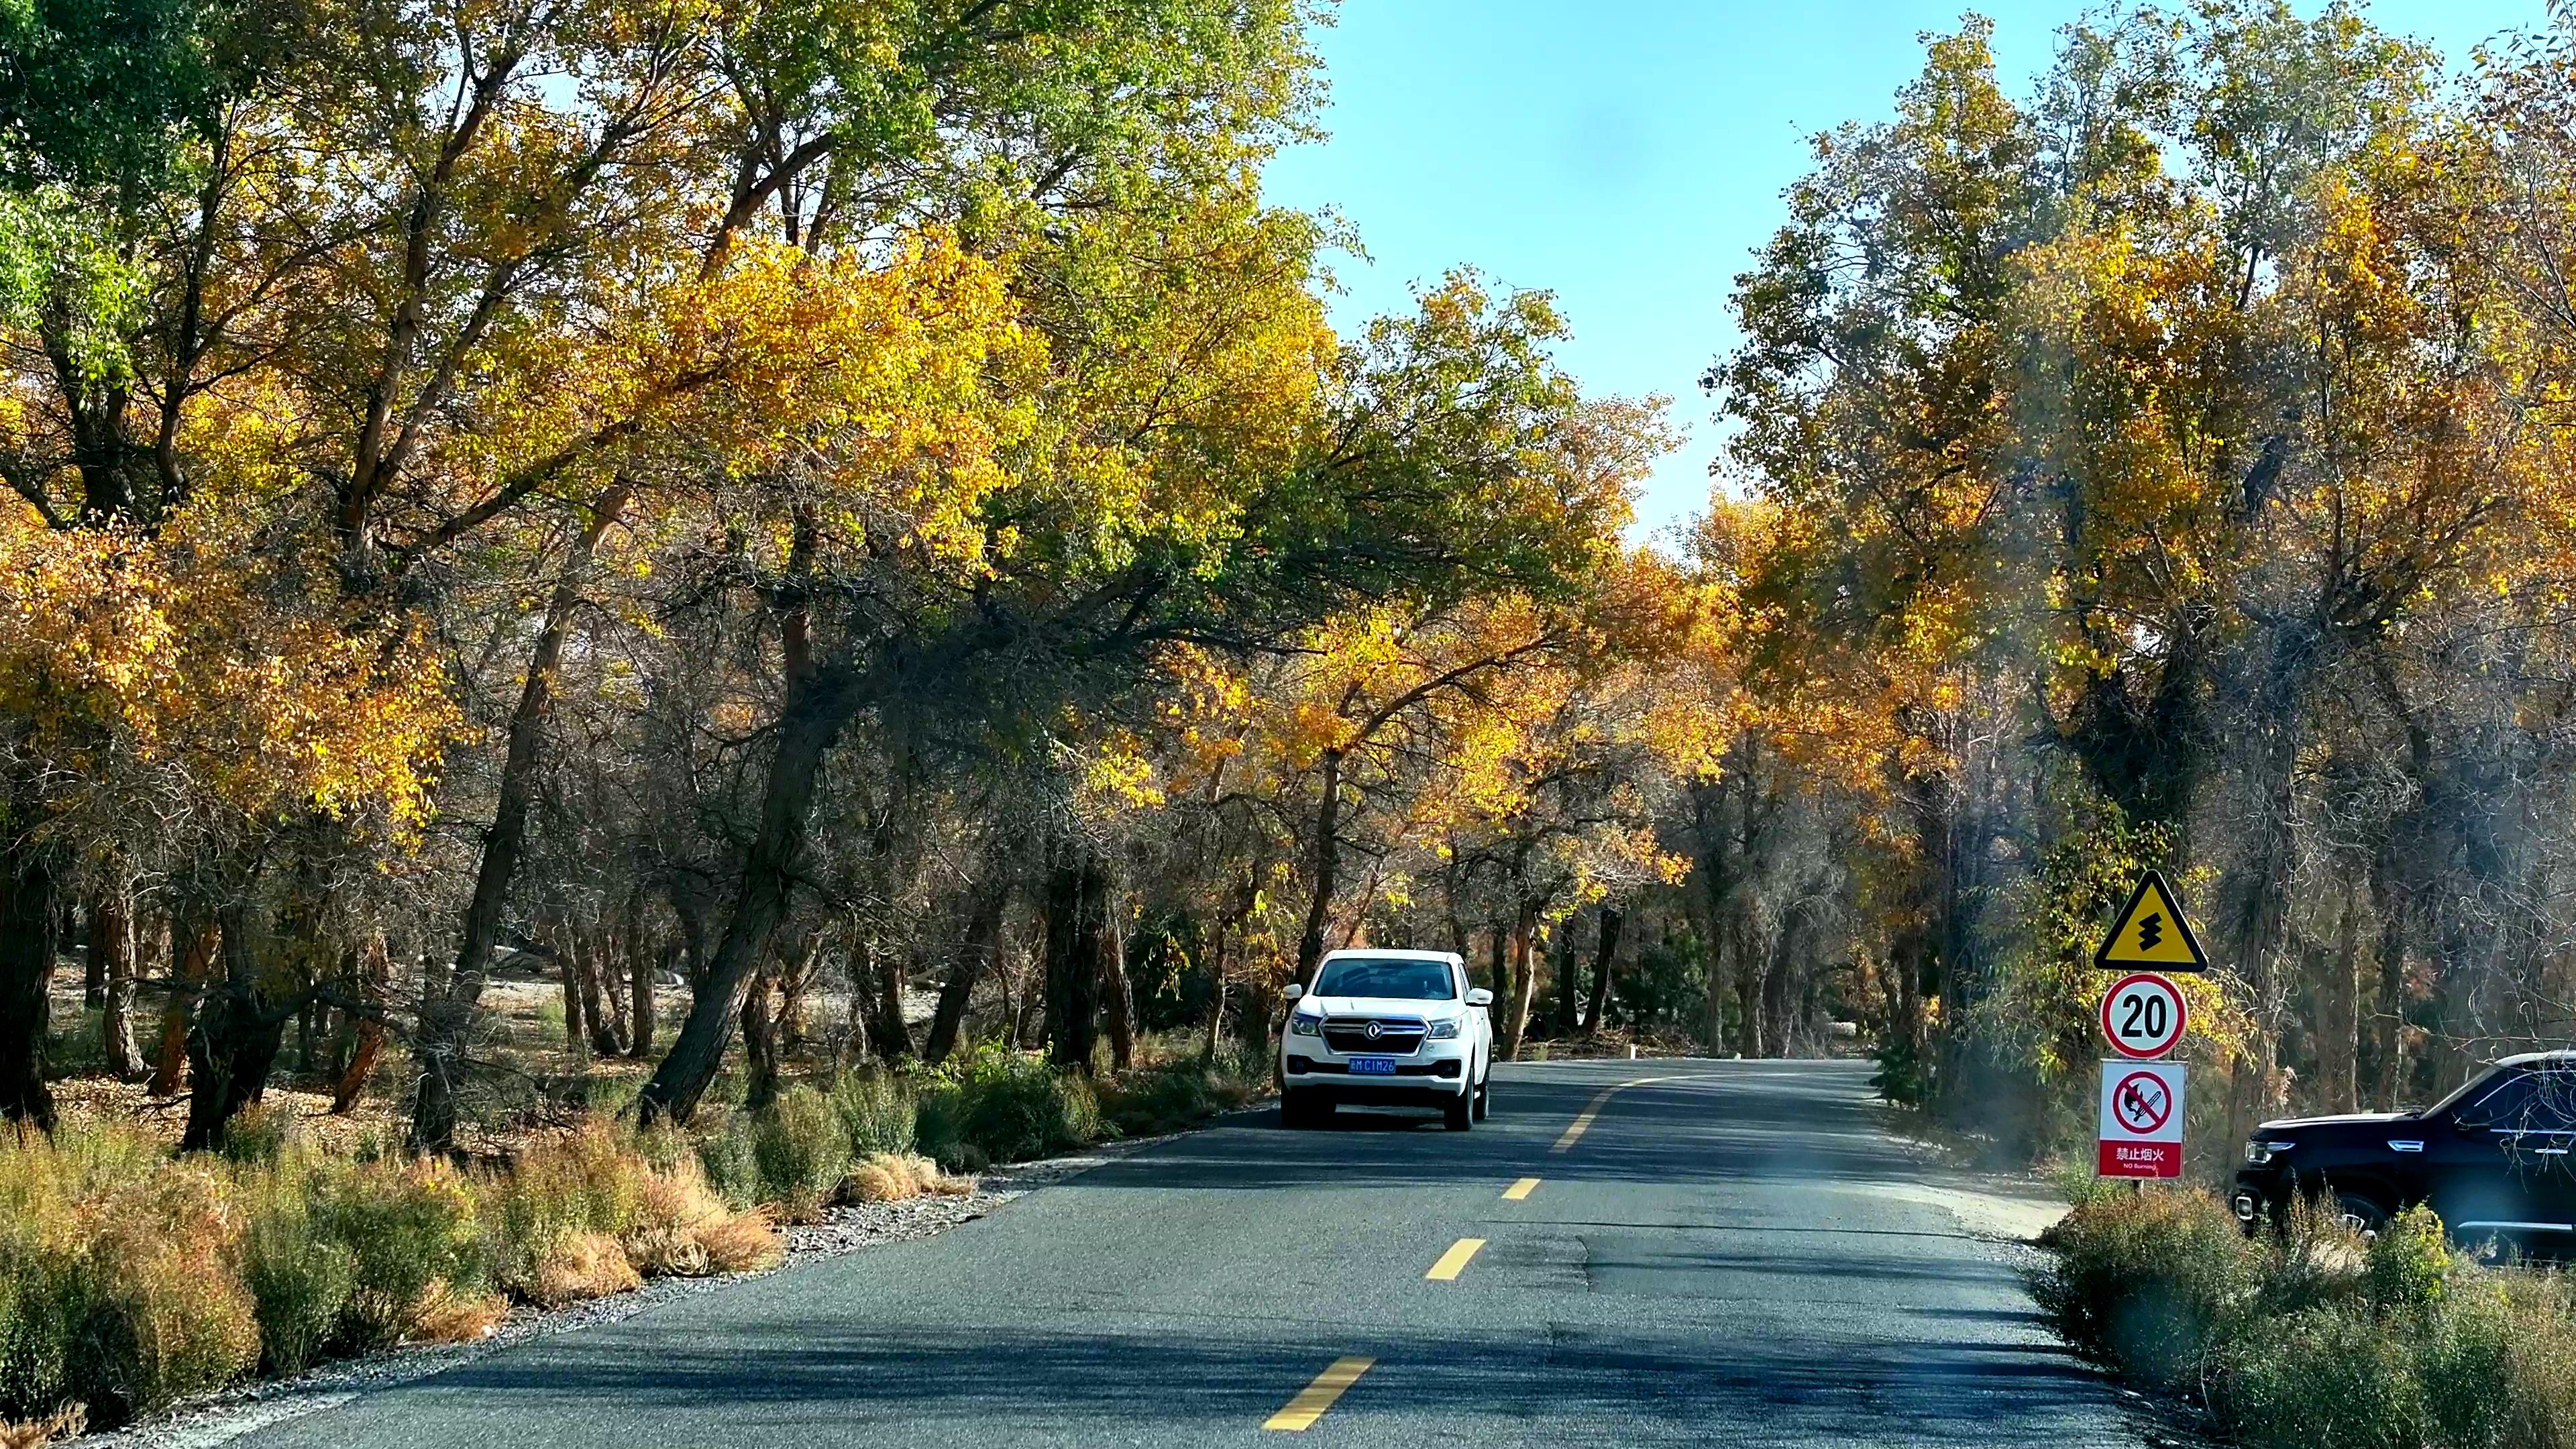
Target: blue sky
[[1629, 154]]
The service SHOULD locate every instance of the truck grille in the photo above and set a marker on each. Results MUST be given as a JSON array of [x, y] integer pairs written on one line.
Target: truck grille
[[1397, 1036]]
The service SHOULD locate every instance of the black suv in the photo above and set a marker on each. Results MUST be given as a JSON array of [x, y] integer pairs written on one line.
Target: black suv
[[2491, 1158]]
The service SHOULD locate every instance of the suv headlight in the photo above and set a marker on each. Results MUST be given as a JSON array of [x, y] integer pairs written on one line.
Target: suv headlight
[[2259, 1152], [1303, 1025], [1445, 1030]]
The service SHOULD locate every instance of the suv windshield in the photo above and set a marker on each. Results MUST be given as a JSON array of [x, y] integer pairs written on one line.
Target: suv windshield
[[1400, 980]]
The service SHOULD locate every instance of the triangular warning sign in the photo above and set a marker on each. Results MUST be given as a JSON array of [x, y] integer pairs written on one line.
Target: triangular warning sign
[[2151, 932]]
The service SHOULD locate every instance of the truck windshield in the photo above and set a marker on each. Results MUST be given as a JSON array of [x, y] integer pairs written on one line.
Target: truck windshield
[[1399, 980]]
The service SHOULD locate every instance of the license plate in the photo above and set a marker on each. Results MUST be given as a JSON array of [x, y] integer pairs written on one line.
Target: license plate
[[1373, 1066]]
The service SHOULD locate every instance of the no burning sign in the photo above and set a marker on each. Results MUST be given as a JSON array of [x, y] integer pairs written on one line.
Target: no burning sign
[[2141, 1119]]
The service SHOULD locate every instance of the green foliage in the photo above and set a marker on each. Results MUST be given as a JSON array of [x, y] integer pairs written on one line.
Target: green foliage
[[2147, 1282], [1155, 1100], [1002, 1106], [259, 1133], [2325, 1375], [409, 1228], [300, 1279], [2312, 1336], [2411, 1264], [801, 1149], [726, 1153], [876, 1113]]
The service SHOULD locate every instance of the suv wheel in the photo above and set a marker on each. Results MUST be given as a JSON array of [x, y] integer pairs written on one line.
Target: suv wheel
[[1460, 1112], [1484, 1097], [2362, 1214]]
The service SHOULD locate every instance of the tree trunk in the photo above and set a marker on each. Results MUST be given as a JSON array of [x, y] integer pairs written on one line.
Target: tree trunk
[[886, 1028], [2339, 1011], [819, 704], [1217, 951], [1524, 967], [589, 964], [234, 1042], [759, 1043], [2389, 902], [1569, 988], [1327, 860], [196, 965], [975, 955], [1604, 961], [111, 943], [93, 963], [576, 1029], [1748, 991], [1117, 999], [1075, 898], [641, 964], [374, 974], [29, 914], [447, 1016]]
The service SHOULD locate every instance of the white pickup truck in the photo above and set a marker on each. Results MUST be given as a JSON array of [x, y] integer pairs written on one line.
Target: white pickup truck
[[1387, 1028]]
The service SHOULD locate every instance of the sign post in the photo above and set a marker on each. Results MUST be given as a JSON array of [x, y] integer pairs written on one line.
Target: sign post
[[2143, 1019], [2141, 1119]]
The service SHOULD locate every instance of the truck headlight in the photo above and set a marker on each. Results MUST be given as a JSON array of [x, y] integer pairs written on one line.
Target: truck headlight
[[2259, 1152], [1445, 1030], [1302, 1025]]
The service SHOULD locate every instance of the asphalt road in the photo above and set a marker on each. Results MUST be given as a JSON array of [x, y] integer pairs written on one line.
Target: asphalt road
[[1735, 1255]]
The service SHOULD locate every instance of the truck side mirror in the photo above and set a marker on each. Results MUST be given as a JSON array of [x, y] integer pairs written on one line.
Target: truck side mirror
[[1291, 991], [1479, 996]]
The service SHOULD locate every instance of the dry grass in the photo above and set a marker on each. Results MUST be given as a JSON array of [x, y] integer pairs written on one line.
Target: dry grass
[[682, 1229], [446, 1315], [894, 1176], [580, 1266], [33, 1433]]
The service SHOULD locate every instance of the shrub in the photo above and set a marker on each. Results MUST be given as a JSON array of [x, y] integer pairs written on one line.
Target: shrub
[[260, 1132], [552, 1212], [2146, 1283], [681, 1228], [166, 1317], [2410, 1263], [412, 1234], [876, 1113], [726, 1155], [1174, 1095], [2327, 1375], [2313, 1337], [447, 1314], [575, 1266], [300, 1279], [802, 1152], [1003, 1106]]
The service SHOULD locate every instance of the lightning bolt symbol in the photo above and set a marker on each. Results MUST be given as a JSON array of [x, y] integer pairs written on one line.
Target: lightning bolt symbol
[[2150, 930]]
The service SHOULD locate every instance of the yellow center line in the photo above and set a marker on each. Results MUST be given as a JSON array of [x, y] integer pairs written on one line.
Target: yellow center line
[[1582, 1122], [1302, 1411], [1521, 1189], [1453, 1261]]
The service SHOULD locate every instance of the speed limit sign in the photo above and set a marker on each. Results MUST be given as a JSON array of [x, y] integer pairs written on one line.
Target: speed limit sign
[[2142, 1015]]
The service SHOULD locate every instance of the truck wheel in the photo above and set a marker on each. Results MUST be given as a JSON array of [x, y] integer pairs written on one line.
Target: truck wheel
[[1460, 1112], [2361, 1214], [1297, 1111], [1484, 1098]]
